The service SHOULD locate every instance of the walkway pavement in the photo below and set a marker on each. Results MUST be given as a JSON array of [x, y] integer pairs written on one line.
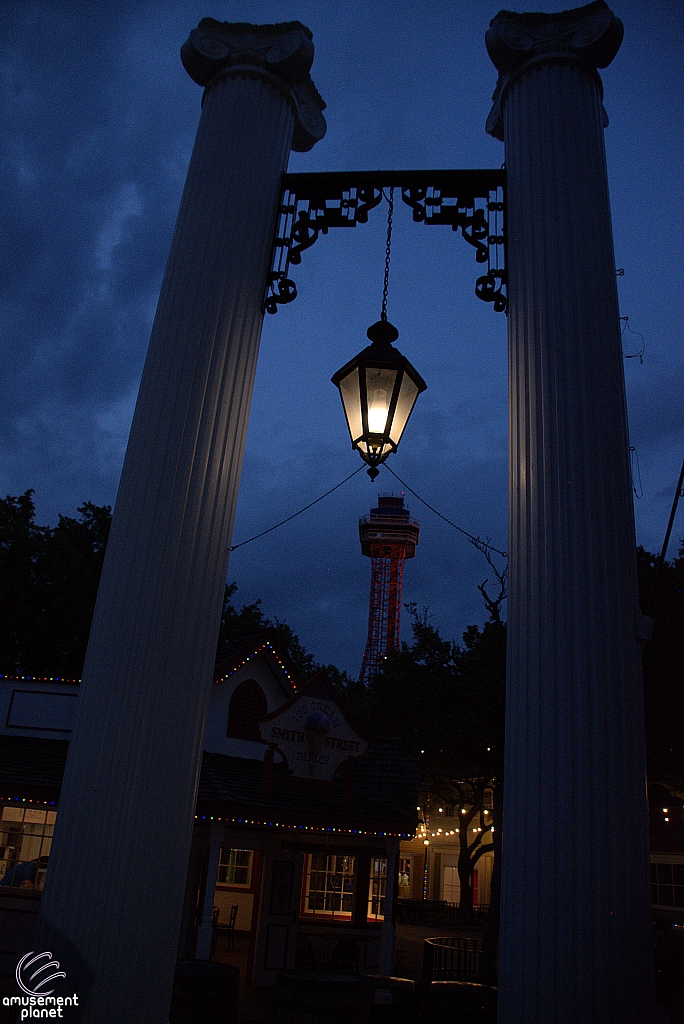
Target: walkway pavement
[[255, 1003]]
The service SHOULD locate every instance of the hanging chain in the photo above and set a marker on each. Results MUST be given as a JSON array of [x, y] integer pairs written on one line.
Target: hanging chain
[[388, 248]]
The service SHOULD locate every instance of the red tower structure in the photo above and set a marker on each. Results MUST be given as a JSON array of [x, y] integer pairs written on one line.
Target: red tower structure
[[389, 536]]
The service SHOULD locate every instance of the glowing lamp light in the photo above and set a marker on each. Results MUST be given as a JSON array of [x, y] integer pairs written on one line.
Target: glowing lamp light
[[378, 388]]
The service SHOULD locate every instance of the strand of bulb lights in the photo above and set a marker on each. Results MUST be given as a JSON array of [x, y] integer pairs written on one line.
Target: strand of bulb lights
[[242, 821], [26, 800], [39, 679], [249, 658], [302, 828]]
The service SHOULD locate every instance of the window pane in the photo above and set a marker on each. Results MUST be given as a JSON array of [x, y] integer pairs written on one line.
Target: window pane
[[328, 886], [404, 879], [235, 868], [247, 705], [376, 889], [25, 840]]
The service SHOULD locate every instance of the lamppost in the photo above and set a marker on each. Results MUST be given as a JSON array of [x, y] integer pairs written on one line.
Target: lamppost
[[575, 920]]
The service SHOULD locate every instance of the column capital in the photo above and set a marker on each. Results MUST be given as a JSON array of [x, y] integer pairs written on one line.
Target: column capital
[[589, 36], [284, 51]]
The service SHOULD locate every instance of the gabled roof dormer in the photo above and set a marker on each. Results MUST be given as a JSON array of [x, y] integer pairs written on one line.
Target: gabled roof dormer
[[254, 676]]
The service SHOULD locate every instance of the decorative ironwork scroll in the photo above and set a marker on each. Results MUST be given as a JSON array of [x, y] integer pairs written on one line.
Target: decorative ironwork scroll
[[471, 202]]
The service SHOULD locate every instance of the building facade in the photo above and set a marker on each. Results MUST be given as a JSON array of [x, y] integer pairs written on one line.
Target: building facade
[[298, 823]]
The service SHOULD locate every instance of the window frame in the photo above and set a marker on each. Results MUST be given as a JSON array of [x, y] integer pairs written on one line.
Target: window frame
[[228, 866], [33, 843], [329, 893]]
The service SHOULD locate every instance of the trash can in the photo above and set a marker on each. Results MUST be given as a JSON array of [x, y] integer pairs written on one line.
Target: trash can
[[313, 997], [204, 993], [463, 1002]]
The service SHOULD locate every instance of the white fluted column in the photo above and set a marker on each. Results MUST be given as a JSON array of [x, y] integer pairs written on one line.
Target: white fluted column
[[112, 904], [575, 926]]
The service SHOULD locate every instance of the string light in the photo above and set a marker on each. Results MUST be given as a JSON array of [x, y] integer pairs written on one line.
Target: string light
[[254, 653], [305, 828], [243, 821], [39, 679], [26, 800]]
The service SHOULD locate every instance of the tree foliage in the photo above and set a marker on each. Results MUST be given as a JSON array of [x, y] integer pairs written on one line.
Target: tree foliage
[[250, 619], [446, 701], [48, 584], [663, 664]]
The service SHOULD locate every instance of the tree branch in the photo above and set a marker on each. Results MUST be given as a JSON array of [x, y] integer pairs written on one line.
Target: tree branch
[[492, 604], [487, 848]]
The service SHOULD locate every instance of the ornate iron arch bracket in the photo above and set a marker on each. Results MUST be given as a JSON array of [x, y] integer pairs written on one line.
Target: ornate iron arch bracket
[[472, 202]]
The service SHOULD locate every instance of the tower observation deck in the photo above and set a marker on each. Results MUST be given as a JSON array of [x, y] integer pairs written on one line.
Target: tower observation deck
[[389, 536]]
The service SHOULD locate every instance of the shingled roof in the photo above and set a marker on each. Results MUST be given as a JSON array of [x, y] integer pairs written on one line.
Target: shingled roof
[[380, 794], [31, 768]]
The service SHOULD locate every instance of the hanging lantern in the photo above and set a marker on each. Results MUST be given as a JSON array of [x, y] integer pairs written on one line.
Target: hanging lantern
[[378, 388]]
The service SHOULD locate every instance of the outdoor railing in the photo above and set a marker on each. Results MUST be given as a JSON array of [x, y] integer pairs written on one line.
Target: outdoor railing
[[440, 913], [452, 958]]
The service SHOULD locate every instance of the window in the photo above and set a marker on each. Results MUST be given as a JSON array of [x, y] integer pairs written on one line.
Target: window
[[667, 885], [235, 868], [247, 706], [404, 877], [25, 841], [376, 889], [488, 802], [328, 886]]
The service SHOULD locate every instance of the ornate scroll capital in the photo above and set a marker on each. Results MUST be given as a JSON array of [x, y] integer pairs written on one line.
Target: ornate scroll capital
[[589, 35], [285, 51]]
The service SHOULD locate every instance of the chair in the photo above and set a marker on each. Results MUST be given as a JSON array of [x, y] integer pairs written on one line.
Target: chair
[[305, 959], [231, 925], [345, 956], [214, 928]]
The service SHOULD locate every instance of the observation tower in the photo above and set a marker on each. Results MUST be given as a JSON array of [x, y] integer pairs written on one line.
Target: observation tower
[[389, 536]]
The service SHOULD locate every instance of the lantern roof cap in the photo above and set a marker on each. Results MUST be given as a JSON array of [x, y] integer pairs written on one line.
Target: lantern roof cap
[[381, 352], [382, 332]]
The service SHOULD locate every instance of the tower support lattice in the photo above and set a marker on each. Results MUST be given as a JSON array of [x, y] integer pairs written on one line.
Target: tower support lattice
[[388, 536]]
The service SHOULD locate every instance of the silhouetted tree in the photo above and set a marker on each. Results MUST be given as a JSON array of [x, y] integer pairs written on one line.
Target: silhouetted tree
[[663, 662], [48, 584]]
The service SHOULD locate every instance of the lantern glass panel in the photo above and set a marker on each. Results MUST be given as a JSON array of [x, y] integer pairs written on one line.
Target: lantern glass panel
[[379, 386], [351, 399], [408, 393]]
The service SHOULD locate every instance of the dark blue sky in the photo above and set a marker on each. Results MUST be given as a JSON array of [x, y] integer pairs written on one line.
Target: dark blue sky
[[98, 120]]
